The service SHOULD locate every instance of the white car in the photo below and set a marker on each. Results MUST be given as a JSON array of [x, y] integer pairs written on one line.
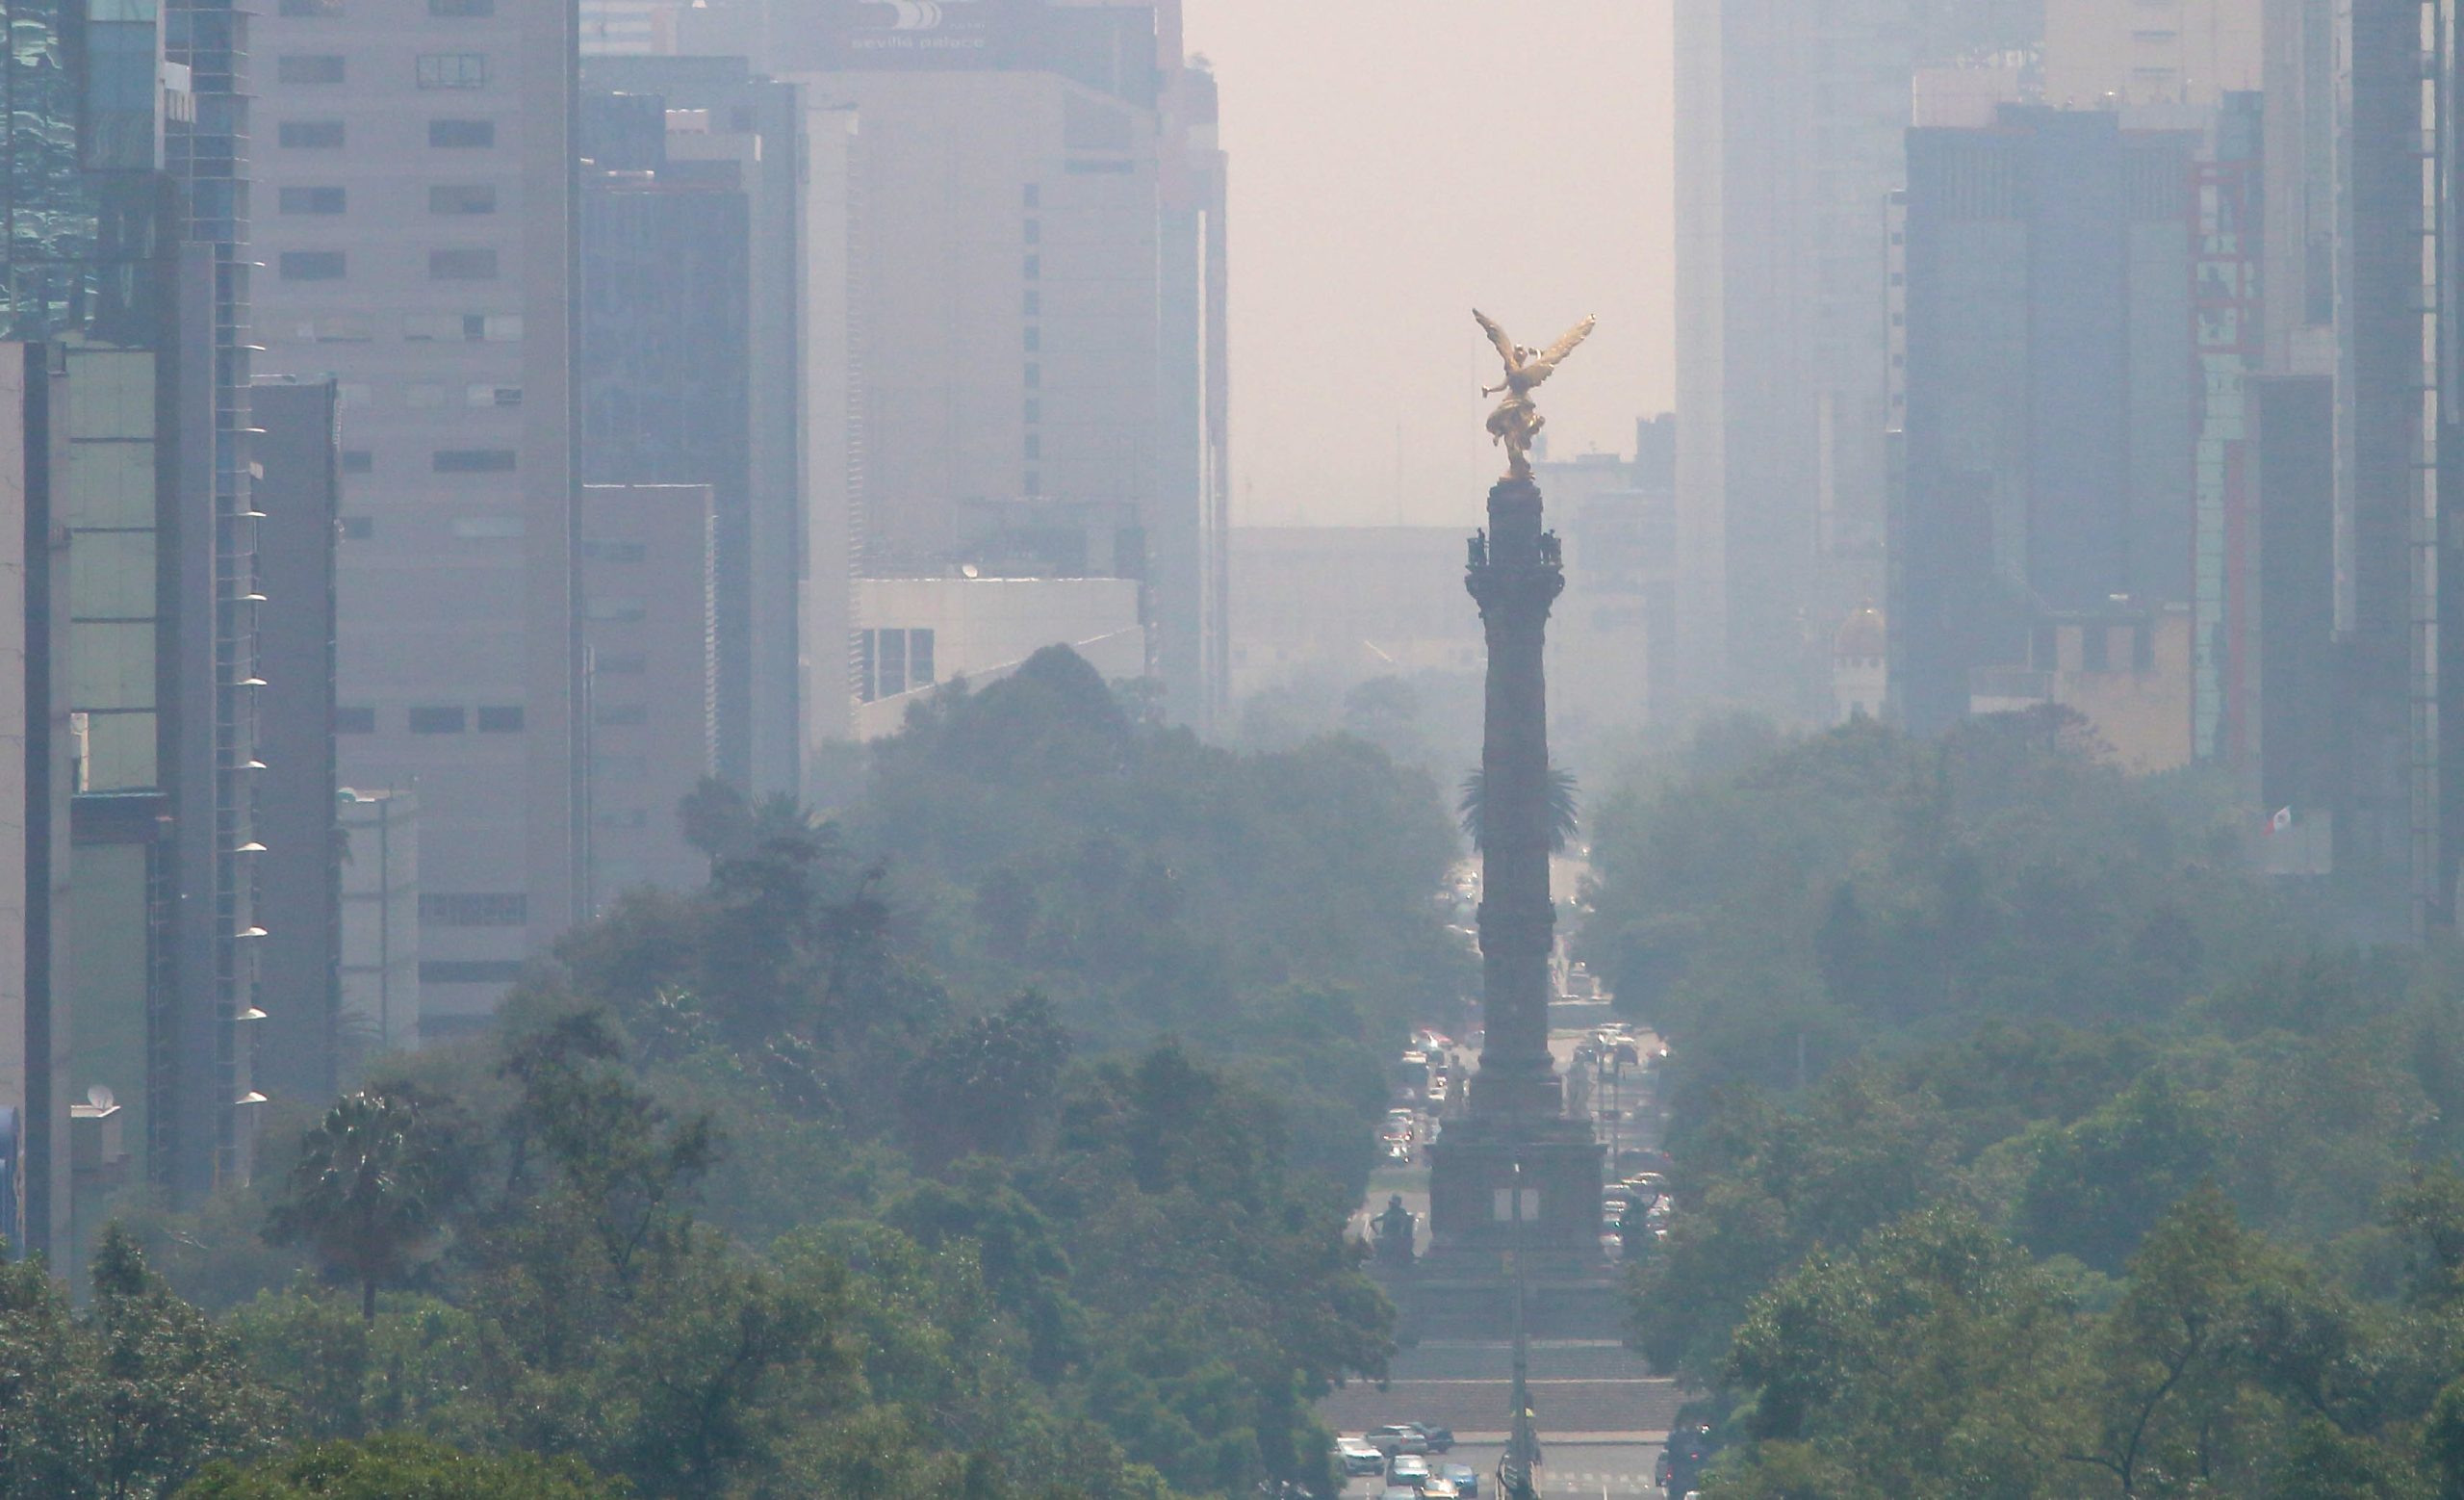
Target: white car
[[1356, 1456]]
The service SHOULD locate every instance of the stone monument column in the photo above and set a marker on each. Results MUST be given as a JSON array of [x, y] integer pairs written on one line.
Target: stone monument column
[[1517, 1175], [1517, 1119], [1516, 578]]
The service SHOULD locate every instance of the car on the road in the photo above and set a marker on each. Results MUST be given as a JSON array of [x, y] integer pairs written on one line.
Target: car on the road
[[1396, 1437], [1399, 1492], [1440, 1439], [1407, 1468], [1465, 1478], [1436, 1092], [1399, 1154], [1437, 1487], [1357, 1457]]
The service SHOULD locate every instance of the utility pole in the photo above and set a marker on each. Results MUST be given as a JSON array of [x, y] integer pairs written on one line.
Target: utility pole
[[1523, 1446]]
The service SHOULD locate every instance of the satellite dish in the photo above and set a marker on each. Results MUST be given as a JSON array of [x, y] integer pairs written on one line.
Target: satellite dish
[[969, 570], [101, 1098]]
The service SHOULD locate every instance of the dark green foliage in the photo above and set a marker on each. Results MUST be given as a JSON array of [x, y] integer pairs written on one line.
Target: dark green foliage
[[2028, 1145], [368, 1190], [403, 1467], [125, 1400], [871, 1169]]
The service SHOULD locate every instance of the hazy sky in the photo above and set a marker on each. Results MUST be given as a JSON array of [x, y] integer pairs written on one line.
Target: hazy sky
[[1395, 163]]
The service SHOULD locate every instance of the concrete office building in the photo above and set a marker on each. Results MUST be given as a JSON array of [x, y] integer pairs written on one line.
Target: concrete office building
[[688, 351], [1036, 377], [1334, 606], [649, 648], [298, 450], [416, 170], [1789, 119], [941, 630], [2051, 411], [2125, 54], [380, 925]]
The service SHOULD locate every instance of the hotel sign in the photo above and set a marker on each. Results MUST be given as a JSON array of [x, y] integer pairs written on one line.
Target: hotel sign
[[924, 33]]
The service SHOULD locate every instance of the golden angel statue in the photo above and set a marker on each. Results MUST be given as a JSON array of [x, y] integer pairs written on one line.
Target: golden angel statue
[[1517, 420]]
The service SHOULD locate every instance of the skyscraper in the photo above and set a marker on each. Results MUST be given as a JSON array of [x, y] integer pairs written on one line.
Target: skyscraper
[[1789, 119], [416, 157], [1013, 298], [689, 343], [2051, 414], [124, 213]]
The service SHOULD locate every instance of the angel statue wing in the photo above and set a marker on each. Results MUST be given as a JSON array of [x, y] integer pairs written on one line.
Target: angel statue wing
[[1496, 336], [1546, 363]]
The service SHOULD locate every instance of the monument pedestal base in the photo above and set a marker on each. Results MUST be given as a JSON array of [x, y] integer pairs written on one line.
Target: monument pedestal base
[[1472, 1183], [1469, 1297]]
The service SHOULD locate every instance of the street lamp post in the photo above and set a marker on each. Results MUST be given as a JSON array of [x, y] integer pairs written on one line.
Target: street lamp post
[[1521, 1453]]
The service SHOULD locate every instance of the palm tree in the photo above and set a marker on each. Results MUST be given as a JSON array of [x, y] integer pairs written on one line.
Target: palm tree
[[1564, 808], [363, 1192]]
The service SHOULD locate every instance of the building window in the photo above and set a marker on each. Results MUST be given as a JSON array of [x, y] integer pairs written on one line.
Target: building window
[[475, 909], [621, 713], [1035, 341], [501, 719], [1033, 270], [469, 327], [1035, 410], [1035, 375], [310, 200], [453, 71], [308, 67], [358, 461], [1035, 448], [492, 396], [358, 529], [355, 719], [1035, 231], [311, 265], [462, 134], [439, 720], [308, 135], [462, 264], [1034, 304], [473, 460], [459, 9], [468, 971], [472, 199], [890, 663]]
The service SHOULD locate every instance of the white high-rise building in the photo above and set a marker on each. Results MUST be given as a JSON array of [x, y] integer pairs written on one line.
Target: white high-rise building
[[414, 183]]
